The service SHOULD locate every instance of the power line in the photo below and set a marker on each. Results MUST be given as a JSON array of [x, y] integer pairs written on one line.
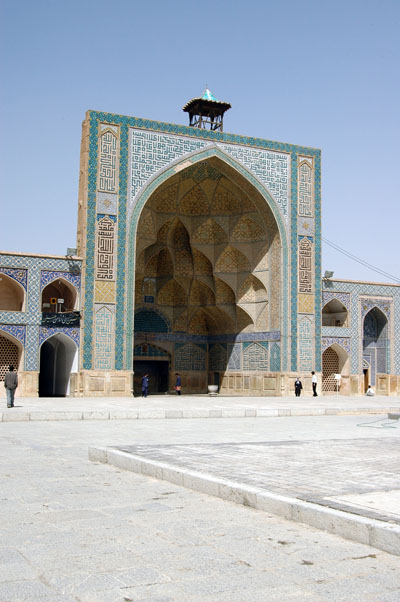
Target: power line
[[361, 261]]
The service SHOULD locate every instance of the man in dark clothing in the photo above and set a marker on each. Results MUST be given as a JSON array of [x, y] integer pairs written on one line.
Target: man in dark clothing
[[145, 385], [297, 387], [178, 383], [10, 383]]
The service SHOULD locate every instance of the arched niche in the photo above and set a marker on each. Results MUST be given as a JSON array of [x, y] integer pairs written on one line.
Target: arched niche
[[59, 289], [376, 343], [11, 353], [58, 358], [374, 326], [334, 313], [227, 215], [335, 360], [12, 294]]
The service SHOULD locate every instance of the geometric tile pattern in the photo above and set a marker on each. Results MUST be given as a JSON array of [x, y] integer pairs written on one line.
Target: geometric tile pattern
[[105, 292], [47, 276], [103, 359], [275, 358], [46, 332], [235, 356], [18, 275], [271, 168], [306, 303], [190, 357], [17, 331], [217, 357], [255, 356], [344, 298], [107, 203], [342, 341], [305, 345]]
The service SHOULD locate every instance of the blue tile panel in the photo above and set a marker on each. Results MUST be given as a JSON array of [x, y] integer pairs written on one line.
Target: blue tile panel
[[190, 357], [122, 231], [30, 319], [306, 363], [255, 356], [364, 297], [47, 332], [48, 276], [293, 267], [317, 263], [18, 331], [275, 358]]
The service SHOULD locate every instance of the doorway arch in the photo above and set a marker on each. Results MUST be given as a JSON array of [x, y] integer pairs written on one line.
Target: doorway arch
[[375, 343], [335, 360], [58, 357], [209, 251]]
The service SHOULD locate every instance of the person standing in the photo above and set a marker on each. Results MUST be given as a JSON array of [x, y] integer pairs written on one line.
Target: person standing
[[297, 387], [145, 385], [10, 383], [314, 384], [178, 384]]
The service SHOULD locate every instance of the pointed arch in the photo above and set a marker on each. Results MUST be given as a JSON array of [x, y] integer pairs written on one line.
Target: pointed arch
[[12, 294], [59, 288], [11, 352], [58, 358], [214, 158], [334, 313]]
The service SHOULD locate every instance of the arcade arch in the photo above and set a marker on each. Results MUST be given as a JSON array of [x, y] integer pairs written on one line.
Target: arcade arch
[[375, 344], [59, 289], [335, 360], [208, 257], [11, 352], [58, 358], [12, 294], [334, 313]]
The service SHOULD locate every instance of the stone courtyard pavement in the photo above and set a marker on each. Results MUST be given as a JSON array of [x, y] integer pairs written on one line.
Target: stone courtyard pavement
[[74, 530]]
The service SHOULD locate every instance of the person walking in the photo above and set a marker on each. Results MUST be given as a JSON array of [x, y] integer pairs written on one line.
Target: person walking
[[10, 383], [314, 384], [145, 385], [297, 387], [178, 384]]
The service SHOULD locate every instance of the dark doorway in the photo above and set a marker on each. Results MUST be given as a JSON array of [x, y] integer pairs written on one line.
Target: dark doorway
[[57, 355], [158, 372]]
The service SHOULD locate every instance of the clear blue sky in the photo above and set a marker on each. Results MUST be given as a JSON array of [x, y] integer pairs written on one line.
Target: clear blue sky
[[318, 73]]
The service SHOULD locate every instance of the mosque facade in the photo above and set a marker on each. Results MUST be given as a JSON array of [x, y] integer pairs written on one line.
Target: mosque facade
[[198, 253]]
